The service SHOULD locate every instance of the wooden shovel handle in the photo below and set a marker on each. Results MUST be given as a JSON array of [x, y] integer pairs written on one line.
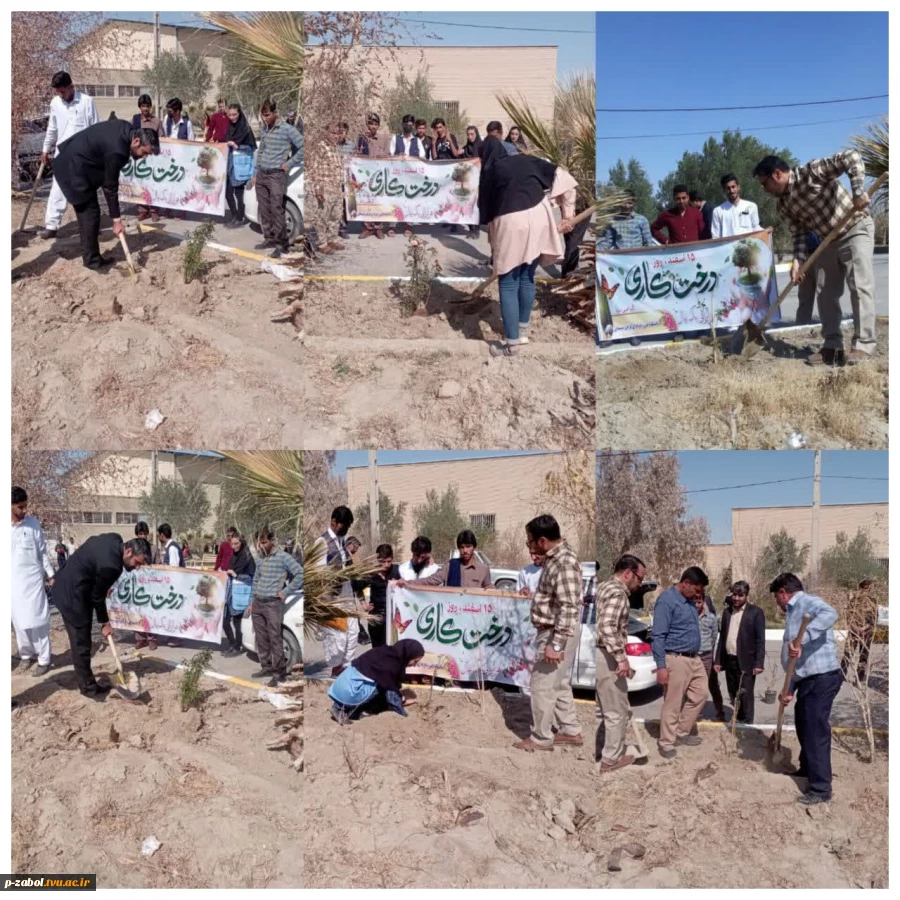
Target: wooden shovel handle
[[115, 653], [124, 244], [35, 186], [815, 254], [789, 672]]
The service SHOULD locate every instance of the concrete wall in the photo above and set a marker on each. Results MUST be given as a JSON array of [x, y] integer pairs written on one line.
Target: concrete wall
[[508, 487]]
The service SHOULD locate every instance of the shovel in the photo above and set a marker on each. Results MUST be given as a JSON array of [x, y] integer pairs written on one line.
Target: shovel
[[489, 281], [35, 186], [638, 740], [128, 686], [775, 739], [754, 336], [124, 244]]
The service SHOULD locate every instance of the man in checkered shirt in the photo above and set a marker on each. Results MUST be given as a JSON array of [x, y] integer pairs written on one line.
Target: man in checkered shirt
[[556, 614], [810, 198], [627, 230], [613, 668]]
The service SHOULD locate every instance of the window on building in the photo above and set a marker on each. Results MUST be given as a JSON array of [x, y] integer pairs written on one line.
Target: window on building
[[131, 90], [91, 518], [482, 521], [130, 518], [97, 90], [449, 108]]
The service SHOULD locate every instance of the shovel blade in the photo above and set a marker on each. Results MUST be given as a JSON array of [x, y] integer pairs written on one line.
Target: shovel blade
[[129, 686], [754, 340]]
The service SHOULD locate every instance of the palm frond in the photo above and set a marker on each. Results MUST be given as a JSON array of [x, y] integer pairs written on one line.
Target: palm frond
[[322, 585], [272, 481], [874, 150], [269, 45]]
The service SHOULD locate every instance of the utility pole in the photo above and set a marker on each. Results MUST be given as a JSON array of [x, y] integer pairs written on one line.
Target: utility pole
[[154, 477], [156, 53], [374, 523], [814, 544]]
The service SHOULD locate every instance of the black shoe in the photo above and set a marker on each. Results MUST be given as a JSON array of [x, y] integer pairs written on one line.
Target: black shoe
[[48, 234], [261, 673], [811, 799], [96, 691], [796, 773], [40, 671], [278, 252], [100, 264], [275, 680]]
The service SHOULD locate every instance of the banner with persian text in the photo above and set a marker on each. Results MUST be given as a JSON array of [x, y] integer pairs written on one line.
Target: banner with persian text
[[468, 635], [185, 175], [398, 189], [684, 287], [182, 603]]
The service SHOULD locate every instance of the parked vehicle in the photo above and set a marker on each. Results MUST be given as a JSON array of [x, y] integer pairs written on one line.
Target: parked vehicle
[[508, 579], [293, 204], [291, 629], [28, 152]]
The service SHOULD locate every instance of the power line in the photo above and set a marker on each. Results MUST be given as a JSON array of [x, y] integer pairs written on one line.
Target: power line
[[636, 137], [491, 27], [734, 487], [732, 108]]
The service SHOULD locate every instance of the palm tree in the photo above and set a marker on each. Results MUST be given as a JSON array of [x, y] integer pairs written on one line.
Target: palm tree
[[873, 148], [269, 46]]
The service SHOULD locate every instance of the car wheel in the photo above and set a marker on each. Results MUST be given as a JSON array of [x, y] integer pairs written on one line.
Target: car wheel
[[504, 584], [292, 653], [293, 219]]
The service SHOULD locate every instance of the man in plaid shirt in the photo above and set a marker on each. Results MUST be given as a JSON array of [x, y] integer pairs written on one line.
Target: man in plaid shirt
[[613, 711], [627, 230], [555, 613], [810, 198]]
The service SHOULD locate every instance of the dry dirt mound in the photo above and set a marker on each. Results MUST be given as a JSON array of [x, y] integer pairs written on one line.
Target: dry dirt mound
[[441, 800], [92, 354], [91, 781], [688, 402]]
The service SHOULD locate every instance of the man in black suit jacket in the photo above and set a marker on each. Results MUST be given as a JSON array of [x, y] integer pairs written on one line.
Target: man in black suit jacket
[[742, 648], [93, 159], [706, 210], [80, 589]]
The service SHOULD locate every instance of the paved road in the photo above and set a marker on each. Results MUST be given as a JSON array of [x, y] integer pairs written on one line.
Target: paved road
[[647, 704]]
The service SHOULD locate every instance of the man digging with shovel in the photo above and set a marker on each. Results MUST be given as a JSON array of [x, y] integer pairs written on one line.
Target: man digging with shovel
[[810, 198], [80, 590]]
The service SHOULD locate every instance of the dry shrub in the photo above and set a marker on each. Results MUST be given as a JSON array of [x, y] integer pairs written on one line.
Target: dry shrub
[[193, 783]]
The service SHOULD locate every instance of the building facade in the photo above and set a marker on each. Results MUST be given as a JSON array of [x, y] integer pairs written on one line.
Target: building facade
[[498, 494], [751, 529]]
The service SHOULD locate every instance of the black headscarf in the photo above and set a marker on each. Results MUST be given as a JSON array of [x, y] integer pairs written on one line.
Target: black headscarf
[[510, 184], [240, 132], [386, 665], [473, 148], [242, 562]]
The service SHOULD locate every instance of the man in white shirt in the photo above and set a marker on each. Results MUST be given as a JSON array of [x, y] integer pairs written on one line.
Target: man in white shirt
[[30, 610], [70, 112], [734, 216], [421, 565], [530, 575]]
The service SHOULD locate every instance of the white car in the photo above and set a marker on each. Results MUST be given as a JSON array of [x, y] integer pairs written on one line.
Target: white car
[[291, 629], [293, 204], [508, 579]]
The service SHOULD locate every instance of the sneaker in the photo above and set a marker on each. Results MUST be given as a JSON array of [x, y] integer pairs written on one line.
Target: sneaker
[[48, 234], [667, 752], [40, 671], [574, 739], [689, 740], [504, 350], [811, 799], [23, 666], [620, 763], [261, 673], [827, 356]]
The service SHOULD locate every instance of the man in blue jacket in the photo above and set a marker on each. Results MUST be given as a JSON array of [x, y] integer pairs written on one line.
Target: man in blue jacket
[[816, 680], [679, 668]]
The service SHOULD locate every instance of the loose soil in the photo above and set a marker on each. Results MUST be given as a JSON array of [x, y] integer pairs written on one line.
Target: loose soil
[[91, 781], [376, 375], [677, 397], [442, 800], [92, 353]]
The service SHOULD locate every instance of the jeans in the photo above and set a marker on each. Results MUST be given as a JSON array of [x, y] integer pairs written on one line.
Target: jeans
[[812, 715], [234, 197], [517, 299], [232, 627]]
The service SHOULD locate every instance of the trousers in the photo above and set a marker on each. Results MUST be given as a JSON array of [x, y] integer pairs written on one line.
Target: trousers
[[270, 188], [735, 680], [56, 207], [80, 645], [34, 642], [267, 616], [684, 697], [517, 300], [613, 709], [88, 214], [552, 702], [812, 716]]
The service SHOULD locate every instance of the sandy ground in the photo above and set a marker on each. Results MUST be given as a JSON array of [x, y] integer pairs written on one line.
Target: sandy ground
[[676, 397], [376, 376], [94, 353], [91, 780], [441, 800]]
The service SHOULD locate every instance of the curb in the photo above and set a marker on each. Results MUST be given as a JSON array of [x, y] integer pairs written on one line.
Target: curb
[[209, 673]]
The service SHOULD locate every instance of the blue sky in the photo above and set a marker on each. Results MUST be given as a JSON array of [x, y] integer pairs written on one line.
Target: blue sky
[[704, 469], [739, 59], [345, 458], [571, 32]]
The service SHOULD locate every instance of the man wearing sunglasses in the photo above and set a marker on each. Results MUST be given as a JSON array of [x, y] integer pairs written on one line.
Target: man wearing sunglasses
[[742, 648]]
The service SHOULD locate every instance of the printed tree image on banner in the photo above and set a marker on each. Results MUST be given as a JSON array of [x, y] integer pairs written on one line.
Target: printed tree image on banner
[[185, 175], [412, 190], [183, 603], [681, 287], [467, 635]]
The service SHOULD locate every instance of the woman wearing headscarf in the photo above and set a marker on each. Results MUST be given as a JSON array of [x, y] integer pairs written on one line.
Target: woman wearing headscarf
[[514, 195], [241, 568], [242, 141], [373, 681], [472, 149], [515, 137]]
